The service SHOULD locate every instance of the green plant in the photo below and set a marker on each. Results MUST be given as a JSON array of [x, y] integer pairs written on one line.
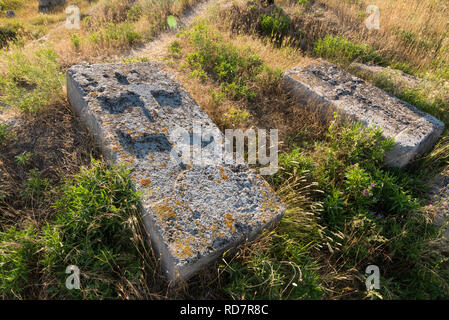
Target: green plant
[[23, 158], [35, 187], [235, 116], [94, 228], [7, 34], [31, 82], [175, 48], [236, 70], [304, 3], [342, 50], [5, 132], [17, 261], [276, 24], [76, 41], [369, 211], [135, 12]]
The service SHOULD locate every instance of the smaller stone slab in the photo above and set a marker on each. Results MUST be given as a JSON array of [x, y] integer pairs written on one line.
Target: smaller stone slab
[[323, 86], [192, 211], [47, 5]]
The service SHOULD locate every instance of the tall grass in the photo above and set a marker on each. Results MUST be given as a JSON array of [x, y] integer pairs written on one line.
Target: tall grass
[[32, 80]]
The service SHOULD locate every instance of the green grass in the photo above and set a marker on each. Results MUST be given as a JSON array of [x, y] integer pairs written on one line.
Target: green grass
[[236, 71], [5, 133], [341, 50], [375, 209], [7, 34], [93, 230], [343, 203], [276, 24], [112, 34], [31, 82], [96, 227], [18, 250]]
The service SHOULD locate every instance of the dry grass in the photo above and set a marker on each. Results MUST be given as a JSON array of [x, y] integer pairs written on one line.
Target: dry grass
[[111, 31], [413, 31]]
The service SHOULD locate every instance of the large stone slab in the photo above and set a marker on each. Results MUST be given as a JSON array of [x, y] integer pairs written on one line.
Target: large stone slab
[[324, 86], [193, 212]]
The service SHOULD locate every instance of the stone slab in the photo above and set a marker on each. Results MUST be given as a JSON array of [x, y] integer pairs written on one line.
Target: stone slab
[[45, 5], [192, 212], [324, 86]]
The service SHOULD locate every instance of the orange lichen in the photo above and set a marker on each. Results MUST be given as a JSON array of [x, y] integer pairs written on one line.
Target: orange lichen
[[183, 250], [129, 163], [225, 177], [145, 182], [229, 220], [164, 211]]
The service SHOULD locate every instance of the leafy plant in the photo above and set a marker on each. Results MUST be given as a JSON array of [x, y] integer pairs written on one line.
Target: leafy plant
[[276, 24], [342, 50], [97, 216], [5, 132], [23, 158]]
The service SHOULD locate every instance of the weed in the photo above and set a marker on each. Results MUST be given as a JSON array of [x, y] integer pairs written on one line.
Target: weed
[[97, 214], [24, 158], [35, 187], [275, 25], [76, 41], [17, 261], [342, 50], [7, 34], [31, 82], [134, 13], [234, 117], [5, 133]]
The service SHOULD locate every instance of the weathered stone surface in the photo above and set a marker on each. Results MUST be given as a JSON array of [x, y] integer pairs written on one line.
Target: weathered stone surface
[[326, 87], [192, 212]]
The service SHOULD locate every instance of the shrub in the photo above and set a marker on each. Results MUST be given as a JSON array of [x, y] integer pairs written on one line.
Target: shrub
[[134, 13], [342, 50], [276, 24], [369, 211], [235, 116], [236, 70], [5, 133]]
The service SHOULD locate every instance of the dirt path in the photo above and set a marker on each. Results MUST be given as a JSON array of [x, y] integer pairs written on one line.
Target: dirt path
[[156, 49]]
